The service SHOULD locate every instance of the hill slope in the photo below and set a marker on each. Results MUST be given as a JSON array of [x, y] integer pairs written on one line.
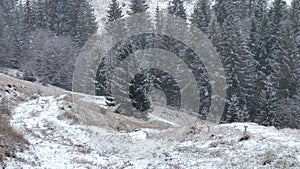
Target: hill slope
[[61, 136]]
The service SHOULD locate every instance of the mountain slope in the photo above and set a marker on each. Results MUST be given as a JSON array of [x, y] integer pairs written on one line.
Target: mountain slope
[[60, 136]]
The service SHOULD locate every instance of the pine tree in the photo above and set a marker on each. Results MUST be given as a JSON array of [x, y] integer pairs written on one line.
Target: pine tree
[[294, 48], [12, 32], [29, 17], [176, 8], [114, 11], [258, 30], [53, 17], [236, 112], [233, 110], [202, 15], [287, 112], [221, 10], [138, 6], [74, 18], [277, 54], [258, 36], [268, 106], [86, 22], [157, 17], [40, 8], [271, 55], [237, 60]]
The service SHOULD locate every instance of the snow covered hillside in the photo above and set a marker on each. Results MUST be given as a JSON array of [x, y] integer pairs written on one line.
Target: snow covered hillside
[[56, 141], [60, 136]]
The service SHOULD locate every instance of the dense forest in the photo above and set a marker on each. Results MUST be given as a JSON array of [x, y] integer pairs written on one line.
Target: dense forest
[[258, 42]]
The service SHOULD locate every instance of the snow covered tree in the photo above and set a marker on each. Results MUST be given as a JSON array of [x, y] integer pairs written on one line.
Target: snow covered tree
[[138, 6], [258, 31], [6, 41], [237, 60], [53, 15], [114, 11], [236, 113], [86, 22], [288, 112], [221, 10], [176, 8], [258, 36], [12, 32], [272, 57], [277, 49], [201, 15], [75, 18], [157, 17], [29, 17], [268, 103], [293, 46], [40, 14]]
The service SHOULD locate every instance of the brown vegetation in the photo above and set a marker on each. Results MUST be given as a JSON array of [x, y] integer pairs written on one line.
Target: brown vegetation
[[10, 140]]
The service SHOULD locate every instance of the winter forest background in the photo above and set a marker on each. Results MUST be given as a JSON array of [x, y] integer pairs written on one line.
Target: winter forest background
[[258, 42]]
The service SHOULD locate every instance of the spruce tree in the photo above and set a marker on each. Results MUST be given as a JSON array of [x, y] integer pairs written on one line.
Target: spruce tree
[[287, 112], [277, 54], [138, 6], [86, 22], [176, 8], [202, 15], [237, 60], [294, 48], [272, 57], [258, 35], [12, 32], [74, 18], [29, 17], [40, 14], [114, 11], [220, 9]]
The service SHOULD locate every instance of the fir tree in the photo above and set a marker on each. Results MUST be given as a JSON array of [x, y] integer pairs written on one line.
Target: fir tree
[[176, 8], [237, 60], [40, 8], [201, 15], [287, 112], [86, 24], [138, 6], [29, 17], [220, 10], [114, 11], [294, 46], [277, 54]]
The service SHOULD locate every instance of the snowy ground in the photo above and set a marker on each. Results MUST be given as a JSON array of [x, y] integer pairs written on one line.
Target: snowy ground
[[57, 141]]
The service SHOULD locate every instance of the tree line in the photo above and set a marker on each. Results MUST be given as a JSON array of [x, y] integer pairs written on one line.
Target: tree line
[[258, 43], [259, 46], [43, 37]]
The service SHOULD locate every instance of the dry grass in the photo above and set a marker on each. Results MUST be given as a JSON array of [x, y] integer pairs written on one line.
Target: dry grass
[[10, 140], [70, 117]]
